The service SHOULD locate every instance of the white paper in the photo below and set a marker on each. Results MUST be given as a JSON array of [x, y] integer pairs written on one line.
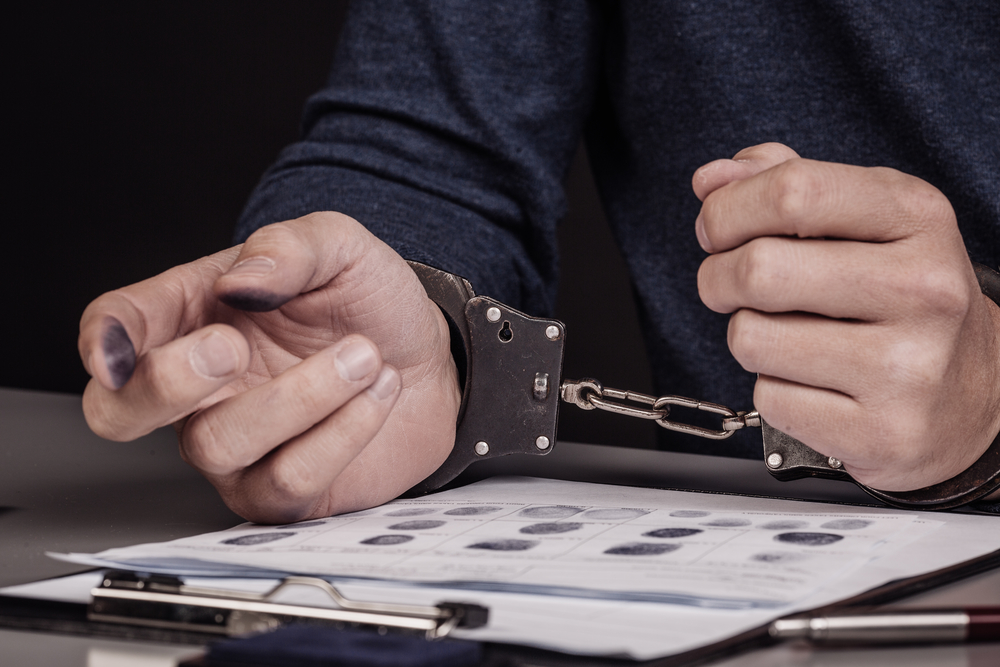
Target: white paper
[[574, 589]]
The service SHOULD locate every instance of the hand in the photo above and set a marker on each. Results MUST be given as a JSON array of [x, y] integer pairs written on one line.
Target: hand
[[325, 385], [854, 299]]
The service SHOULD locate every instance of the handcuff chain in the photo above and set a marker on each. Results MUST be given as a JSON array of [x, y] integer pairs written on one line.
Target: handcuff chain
[[589, 394]]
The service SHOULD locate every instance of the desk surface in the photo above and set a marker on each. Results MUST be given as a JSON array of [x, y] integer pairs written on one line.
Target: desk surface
[[64, 489]]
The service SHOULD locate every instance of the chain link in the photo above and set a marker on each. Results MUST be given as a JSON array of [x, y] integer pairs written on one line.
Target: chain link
[[589, 394]]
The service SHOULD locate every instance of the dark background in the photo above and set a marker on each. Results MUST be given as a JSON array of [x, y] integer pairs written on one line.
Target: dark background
[[138, 131]]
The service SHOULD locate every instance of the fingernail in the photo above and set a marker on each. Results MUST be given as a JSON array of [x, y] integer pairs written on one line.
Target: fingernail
[[254, 300], [214, 356], [386, 383], [356, 360], [255, 266], [699, 230], [119, 353]]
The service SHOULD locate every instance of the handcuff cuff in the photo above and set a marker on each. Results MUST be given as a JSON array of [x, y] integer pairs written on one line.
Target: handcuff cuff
[[512, 363]]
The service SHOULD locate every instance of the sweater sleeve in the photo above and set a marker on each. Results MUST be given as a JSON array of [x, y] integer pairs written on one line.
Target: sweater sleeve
[[447, 128]]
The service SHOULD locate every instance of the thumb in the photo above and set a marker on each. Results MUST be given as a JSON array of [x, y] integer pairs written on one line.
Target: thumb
[[748, 162]]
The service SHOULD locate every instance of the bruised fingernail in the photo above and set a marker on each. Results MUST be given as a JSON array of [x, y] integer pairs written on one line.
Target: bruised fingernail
[[255, 266], [119, 353], [385, 384], [254, 300], [214, 356], [699, 230], [356, 360]]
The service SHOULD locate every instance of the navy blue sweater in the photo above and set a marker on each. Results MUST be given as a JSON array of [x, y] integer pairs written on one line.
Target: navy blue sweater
[[447, 128]]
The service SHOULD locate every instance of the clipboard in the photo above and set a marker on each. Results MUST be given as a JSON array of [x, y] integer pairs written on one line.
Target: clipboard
[[114, 613], [159, 601]]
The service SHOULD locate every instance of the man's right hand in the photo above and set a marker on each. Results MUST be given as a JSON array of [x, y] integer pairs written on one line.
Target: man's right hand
[[306, 371]]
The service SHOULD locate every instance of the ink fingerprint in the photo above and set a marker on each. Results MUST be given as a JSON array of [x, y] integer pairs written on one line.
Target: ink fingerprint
[[256, 538], [809, 539], [689, 514], [673, 532], [504, 545], [550, 512], [777, 557], [475, 510], [727, 523], [641, 549], [119, 353], [254, 300], [784, 525], [847, 524], [308, 524], [417, 525], [387, 540], [412, 511], [550, 528], [614, 514]]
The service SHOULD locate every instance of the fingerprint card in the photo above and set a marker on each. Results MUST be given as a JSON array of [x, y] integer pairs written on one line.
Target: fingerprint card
[[559, 537]]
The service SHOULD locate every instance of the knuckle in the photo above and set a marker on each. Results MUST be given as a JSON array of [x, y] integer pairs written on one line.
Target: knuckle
[[291, 482], [160, 380], [747, 341], [279, 236], [793, 189], [912, 365], [919, 202], [941, 291], [709, 284], [761, 270], [102, 419], [207, 446], [329, 218]]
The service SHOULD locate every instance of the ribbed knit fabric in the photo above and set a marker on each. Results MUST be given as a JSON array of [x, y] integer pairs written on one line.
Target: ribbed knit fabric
[[447, 128]]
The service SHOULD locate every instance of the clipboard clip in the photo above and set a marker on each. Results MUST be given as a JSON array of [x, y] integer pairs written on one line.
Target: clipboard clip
[[166, 602]]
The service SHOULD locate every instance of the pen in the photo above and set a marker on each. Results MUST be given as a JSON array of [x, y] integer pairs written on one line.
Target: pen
[[974, 624]]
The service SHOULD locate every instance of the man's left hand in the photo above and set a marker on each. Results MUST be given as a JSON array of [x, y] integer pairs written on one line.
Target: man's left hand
[[854, 300]]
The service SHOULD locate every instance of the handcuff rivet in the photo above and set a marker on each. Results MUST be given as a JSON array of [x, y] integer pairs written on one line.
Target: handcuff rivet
[[774, 460], [482, 448], [834, 463], [552, 332], [542, 442], [493, 314]]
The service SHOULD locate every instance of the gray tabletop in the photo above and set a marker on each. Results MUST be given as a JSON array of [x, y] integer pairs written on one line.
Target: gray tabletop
[[64, 489]]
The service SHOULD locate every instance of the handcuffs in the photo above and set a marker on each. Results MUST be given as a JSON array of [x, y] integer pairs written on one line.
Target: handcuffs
[[512, 368]]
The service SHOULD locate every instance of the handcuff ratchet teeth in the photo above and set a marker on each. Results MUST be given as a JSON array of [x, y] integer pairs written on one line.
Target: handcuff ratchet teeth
[[513, 361]]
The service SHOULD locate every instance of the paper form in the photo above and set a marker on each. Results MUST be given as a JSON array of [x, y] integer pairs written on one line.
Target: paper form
[[508, 534], [567, 592]]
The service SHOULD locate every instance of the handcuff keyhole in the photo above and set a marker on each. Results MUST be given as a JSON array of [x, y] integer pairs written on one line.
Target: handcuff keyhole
[[505, 333]]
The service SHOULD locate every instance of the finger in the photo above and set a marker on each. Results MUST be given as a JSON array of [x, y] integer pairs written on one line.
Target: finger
[[875, 448], [839, 279], [294, 482], [234, 434], [748, 162], [281, 261], [120, 326], [843, 356], [806, 199], [814, 416], [169, 381]]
